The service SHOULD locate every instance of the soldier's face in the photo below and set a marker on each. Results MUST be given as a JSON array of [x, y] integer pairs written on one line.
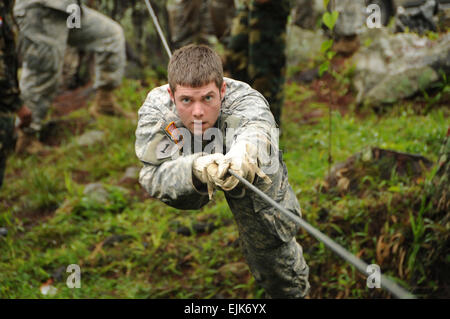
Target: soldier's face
[[198, 105]]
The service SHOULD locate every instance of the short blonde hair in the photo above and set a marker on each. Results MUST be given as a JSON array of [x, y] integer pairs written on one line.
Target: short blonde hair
[[194, 66]]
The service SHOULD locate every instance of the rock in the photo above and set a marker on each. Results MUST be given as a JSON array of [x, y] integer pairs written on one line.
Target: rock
[[131, 176], [3, 232], [351, 17], [376, 164], [398, 66], [303, 45], [97, 193], [90, 138]]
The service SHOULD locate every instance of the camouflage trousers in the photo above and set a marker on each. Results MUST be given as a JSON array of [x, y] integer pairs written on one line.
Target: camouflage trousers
[[44, 36], [6, 142], [189, 22], [198, 21], [256, 50], [267, 238]]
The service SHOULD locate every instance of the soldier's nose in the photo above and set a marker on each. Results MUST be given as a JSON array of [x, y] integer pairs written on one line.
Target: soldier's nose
[[197, 111]]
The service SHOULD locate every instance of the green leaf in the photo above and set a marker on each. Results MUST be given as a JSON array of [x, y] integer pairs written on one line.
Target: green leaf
[[329, 19], [331, 55], [395, 189], [326, 45], [324, 67], [325, 3]]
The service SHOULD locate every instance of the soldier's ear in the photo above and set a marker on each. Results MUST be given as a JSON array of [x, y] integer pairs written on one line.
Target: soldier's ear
[[223, 89], [171, 94]]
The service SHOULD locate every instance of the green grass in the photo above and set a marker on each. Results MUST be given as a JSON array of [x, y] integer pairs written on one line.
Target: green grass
[[51, 223]]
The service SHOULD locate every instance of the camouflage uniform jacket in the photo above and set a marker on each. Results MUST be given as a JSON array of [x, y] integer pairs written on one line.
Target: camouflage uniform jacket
[[9, 88]]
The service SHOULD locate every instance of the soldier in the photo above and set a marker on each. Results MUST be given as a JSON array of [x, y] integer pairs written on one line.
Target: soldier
[[46, 28], [256, 51], [198, 21], [9, 89], [174, 124]]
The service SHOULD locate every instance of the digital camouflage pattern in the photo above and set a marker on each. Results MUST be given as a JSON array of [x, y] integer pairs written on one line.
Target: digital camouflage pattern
[[60, 5], [9, 88], [266, 236], [189, 22], [44, 36], [256, 50], [198, 21]]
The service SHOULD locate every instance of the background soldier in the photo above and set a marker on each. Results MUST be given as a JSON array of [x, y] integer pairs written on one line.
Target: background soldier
[[44, 36], [197, 91], [256, 52], [199, 21], [9, 89]]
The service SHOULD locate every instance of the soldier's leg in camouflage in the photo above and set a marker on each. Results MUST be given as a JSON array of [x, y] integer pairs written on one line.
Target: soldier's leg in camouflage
[[222, 13], [236, 55], [267, 42], [206, 33], [281, 271], [184, 21], [104, 37], [6, 142], [42, 43], [267, 238]]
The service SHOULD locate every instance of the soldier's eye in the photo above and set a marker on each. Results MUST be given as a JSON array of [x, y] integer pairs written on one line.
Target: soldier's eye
[[185, 100], [208, 98]]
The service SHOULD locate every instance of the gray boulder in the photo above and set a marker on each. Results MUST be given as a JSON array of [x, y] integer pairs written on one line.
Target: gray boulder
[[352, 17], [303, 45], [90, 138], [396, 66], [96, 192]]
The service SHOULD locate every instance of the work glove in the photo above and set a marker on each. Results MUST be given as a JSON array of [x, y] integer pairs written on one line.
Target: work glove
[[243, 160], [205, 169]]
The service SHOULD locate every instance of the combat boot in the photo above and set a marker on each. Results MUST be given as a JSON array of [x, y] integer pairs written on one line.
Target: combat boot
[[28, 143], [105, 104]]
